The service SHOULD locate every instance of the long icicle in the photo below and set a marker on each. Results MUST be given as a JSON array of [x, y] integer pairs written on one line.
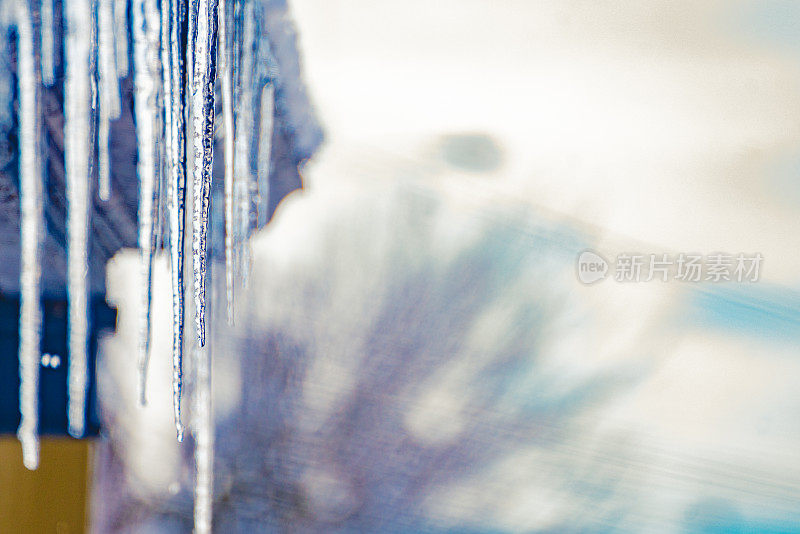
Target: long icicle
[[46, 32], [30, 319], [203, 139], [145, 37], [226, 73], [76, 156], [177, 190], [203, 142], [265, 101], [109, 93], [266, 113], [245, 128], [166, 153]]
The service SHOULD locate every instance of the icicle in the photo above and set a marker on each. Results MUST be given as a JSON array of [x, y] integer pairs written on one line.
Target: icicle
[[226, 72], [202, 132], [31, 221], [109, 92], [243, 126], [145, 42], [121, 27], [76, 157], [169, 156], [266, 114], [164, 149], [203, 142], [254, 192], [242, 200], [46, 32], [174, 101]]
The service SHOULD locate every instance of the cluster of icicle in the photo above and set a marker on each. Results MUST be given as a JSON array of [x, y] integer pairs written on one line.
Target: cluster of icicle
[[178, 47]]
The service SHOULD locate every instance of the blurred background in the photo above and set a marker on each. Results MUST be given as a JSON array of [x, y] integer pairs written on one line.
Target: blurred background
[[415, 352]]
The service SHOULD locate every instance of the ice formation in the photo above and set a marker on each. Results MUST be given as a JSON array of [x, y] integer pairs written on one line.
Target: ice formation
[[172, 51]]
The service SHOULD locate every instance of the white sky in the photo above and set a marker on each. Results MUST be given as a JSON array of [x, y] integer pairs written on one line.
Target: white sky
[[665, 122]]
